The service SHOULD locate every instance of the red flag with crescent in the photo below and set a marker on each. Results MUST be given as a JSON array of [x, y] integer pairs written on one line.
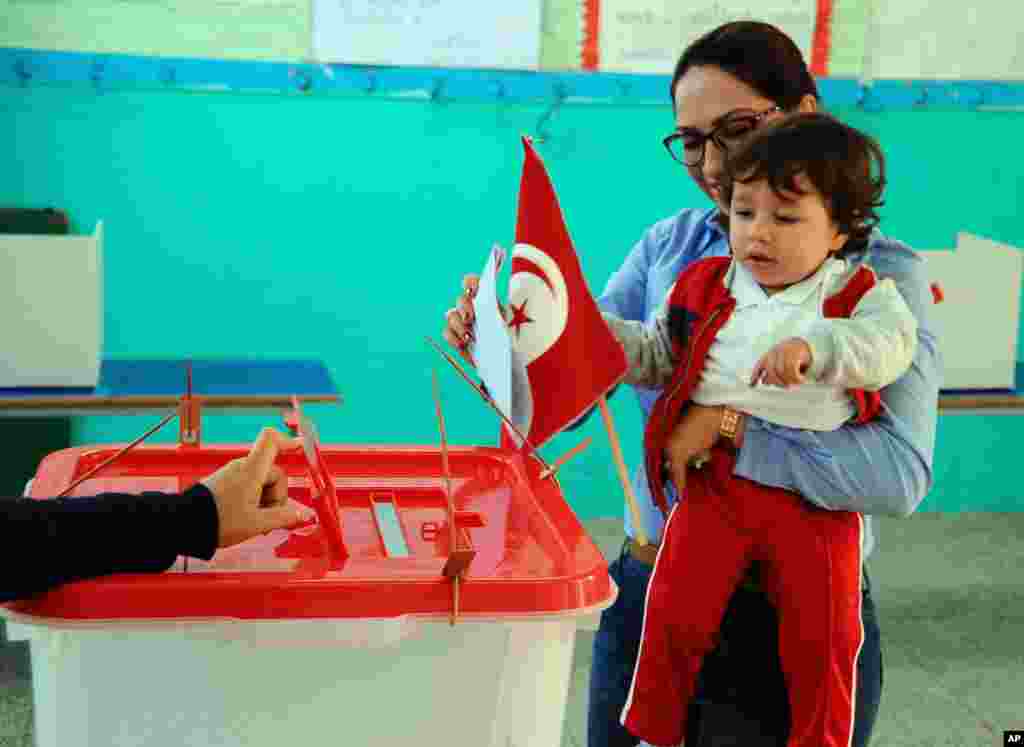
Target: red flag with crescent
[[564, 356]]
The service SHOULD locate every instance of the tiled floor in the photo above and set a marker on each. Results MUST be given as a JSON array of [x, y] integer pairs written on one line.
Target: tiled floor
[[950, 592], [950, 595]]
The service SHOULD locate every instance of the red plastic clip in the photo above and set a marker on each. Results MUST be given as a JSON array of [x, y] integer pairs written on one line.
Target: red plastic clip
[[291, 420], [937, 295], [431, 531], [460, 557], [322, 490]]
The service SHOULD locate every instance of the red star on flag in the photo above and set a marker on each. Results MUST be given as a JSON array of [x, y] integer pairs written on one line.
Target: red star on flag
[[519, 317]]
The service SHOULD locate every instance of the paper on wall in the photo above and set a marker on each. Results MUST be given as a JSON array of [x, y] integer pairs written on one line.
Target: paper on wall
[[647, 36], [223, 29], [938, 39], [431, 33], [849, 32]]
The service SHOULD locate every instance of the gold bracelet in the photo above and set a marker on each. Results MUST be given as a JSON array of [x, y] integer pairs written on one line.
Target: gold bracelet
[[730, 423]]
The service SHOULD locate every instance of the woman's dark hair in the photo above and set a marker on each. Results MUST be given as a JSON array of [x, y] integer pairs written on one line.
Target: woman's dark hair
[[844, 165], [756, 53]]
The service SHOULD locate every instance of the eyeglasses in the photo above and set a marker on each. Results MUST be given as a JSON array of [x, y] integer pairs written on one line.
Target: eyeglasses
[[688, 147]]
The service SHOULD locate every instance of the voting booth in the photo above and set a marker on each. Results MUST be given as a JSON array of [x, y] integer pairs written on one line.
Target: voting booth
[[978, 319], [289, 639], [51, 304]]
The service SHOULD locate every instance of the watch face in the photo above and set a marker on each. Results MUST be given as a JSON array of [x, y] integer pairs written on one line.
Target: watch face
[[730, 420]]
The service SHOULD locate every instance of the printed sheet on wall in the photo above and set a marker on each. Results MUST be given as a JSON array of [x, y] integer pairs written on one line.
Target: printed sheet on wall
[[431, 33], [944, 40], [647, 36], [220, 29]]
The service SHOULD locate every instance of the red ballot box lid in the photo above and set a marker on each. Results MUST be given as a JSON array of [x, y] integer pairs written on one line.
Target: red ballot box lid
[[532, 556]]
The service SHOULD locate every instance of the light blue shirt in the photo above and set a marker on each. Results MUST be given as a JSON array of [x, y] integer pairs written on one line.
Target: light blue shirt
[[881, 467]]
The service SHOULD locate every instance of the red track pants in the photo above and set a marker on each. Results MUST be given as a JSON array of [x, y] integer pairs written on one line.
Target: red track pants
[[811, 571]]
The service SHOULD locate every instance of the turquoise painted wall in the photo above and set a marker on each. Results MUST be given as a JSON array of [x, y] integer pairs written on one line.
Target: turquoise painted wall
[[249, 224]]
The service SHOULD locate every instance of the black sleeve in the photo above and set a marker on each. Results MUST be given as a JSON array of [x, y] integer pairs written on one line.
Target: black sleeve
[[52, 541]]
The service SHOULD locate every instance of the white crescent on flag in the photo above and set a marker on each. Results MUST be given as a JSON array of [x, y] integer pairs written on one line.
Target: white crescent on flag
[[538, 302], [538, 311]]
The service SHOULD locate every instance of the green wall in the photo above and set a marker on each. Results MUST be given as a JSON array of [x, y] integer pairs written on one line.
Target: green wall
[[340, 228]]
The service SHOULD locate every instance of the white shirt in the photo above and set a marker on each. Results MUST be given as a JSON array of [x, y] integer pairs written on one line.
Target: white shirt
[[869, 350], [757, 324]]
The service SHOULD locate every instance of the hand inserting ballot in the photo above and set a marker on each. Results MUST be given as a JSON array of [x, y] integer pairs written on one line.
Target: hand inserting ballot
[[251, 493]]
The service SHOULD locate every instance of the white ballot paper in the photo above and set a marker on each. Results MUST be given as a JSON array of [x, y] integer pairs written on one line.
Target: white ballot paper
[[492, 349]]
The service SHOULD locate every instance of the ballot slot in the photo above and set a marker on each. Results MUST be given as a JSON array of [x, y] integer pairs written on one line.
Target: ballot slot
[[386, 515], [410, 522]]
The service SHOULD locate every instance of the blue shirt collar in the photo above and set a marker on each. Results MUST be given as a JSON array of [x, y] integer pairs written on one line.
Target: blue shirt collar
[[713, 224]]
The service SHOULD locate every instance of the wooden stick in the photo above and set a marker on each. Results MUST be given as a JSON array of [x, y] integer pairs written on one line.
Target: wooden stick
[[638, 527], [487, 398], [455, 600], [444, 465], [565, 458], [118, 455], [452, 537]]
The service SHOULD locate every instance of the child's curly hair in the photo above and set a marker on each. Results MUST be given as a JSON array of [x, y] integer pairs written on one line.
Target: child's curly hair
[[836, 158]]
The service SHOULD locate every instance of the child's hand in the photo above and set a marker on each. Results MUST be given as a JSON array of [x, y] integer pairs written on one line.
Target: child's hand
[[784, 365]]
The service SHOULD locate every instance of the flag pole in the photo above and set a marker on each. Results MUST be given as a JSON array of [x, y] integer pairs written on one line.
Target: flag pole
[[620, 463], [490, 402]]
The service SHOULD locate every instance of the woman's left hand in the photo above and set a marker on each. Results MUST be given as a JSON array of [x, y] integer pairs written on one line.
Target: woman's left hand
[[693, 436]]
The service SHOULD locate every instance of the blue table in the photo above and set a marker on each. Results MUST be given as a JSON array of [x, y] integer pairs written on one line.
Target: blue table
[[134, 385], [35, 422]]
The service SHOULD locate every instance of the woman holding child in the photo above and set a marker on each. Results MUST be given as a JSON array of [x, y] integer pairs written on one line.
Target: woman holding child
[[729, 84]]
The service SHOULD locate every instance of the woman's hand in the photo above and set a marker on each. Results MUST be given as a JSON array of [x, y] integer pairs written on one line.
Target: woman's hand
[[459, 320], [251, 493], [693, 438]]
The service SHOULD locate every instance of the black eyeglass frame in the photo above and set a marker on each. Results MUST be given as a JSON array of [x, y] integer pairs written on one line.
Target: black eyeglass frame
[[715, 135]]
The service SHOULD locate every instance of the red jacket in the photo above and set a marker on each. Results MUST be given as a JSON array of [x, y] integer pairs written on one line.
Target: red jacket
[[699, 305]]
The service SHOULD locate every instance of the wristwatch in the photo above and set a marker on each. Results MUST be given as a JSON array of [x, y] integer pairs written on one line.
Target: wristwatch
[[730, 423]]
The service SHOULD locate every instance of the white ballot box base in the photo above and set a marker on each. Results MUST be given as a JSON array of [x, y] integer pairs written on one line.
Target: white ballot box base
[[478, 684]]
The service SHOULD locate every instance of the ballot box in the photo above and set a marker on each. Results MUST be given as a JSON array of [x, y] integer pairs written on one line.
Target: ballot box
[[292, 639]]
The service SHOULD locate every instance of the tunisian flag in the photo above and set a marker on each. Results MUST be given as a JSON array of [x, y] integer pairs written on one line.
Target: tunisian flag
[[564, 356]]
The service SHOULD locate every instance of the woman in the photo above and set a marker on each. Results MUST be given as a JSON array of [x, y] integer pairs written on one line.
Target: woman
[[726, 84]]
